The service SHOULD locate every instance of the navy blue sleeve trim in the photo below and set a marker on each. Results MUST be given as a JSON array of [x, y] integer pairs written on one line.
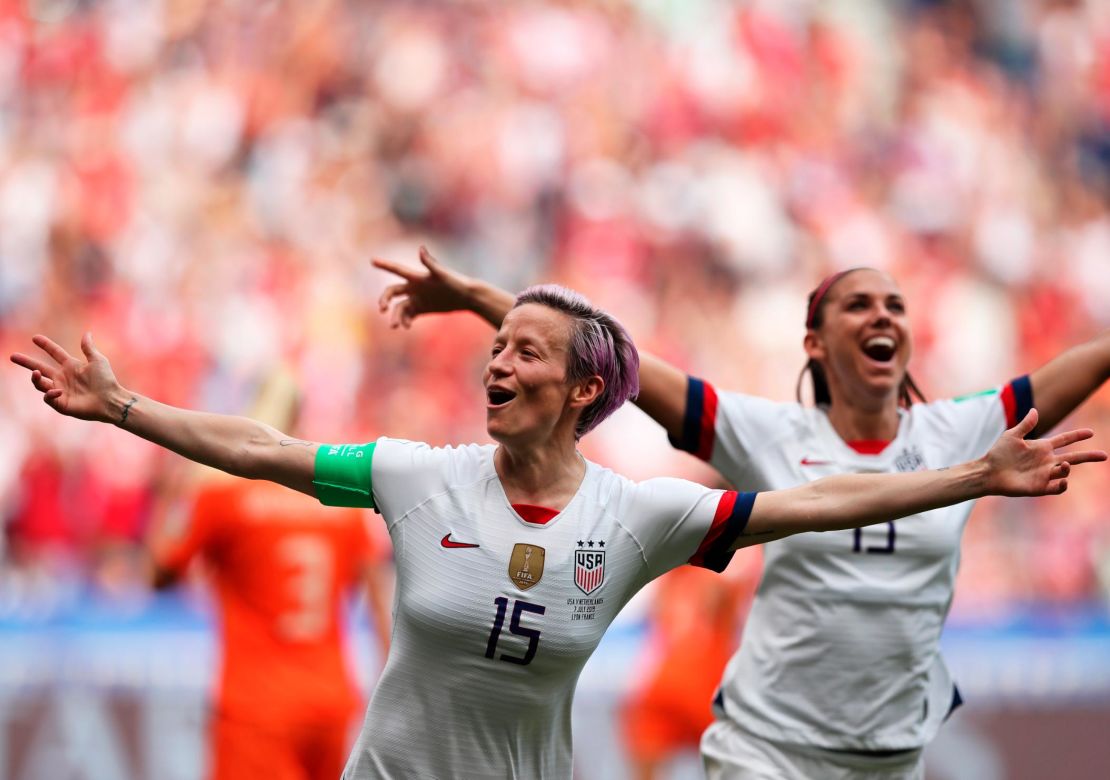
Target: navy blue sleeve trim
[[1023, 396], [691, 421], [720, 554]]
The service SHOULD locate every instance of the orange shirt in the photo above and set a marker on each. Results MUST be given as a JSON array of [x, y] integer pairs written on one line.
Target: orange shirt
[[281, 564]]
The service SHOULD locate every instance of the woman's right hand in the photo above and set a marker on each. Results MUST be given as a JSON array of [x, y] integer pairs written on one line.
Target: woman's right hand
[[426, 290], [86, 389]]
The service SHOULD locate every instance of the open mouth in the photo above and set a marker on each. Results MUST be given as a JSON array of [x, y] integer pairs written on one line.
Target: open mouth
[[498, 396], [881, 349]]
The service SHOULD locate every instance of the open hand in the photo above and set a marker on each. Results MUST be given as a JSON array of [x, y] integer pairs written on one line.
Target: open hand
[[71, 386], [1035, 467], [426, 290]]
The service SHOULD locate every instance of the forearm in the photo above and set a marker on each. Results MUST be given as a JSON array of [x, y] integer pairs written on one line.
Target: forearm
[[489, 302], [1068, 380], [237, 445], [855, 500], [662, 396]]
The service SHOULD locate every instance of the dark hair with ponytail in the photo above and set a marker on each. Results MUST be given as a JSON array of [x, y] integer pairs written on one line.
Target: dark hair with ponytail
[[815, 309]]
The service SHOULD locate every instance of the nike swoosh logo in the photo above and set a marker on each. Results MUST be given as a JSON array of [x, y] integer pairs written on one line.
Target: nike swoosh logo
[[450, 545], [808, 462]]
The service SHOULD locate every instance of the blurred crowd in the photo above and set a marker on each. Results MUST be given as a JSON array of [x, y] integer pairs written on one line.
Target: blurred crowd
[[201, 183]]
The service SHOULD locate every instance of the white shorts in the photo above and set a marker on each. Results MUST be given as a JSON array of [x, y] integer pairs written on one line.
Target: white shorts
[[730, 753]]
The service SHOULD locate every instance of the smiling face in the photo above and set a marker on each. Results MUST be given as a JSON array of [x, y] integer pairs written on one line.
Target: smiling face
[[528, 397], [863, 340]]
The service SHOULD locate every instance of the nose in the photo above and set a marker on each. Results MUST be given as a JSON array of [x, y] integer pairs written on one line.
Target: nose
[[498, 364]]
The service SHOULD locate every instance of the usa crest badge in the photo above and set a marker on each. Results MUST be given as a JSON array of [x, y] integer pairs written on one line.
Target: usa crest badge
[[589, 569], [526, 565]]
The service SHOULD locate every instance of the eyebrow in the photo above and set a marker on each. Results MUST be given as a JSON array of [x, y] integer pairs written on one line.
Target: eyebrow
[[862, 294], [526, 341]]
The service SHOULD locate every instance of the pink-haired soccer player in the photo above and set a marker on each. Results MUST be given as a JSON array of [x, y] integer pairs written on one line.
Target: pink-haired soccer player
[[840, 669]]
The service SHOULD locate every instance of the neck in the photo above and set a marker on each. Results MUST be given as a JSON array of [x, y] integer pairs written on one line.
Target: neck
[[547, 475], [855, 421]]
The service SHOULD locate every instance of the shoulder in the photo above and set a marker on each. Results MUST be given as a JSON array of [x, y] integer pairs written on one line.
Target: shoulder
[[398, 461], [966, 425], [418, 452], [763, 411], [736, 399], [652, 496], [949, 413]]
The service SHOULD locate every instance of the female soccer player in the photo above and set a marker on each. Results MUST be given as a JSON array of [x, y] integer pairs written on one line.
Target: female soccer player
[[513, 559], [840, 668]]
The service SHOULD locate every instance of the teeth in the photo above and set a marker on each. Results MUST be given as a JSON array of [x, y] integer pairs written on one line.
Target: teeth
[[879, 341]]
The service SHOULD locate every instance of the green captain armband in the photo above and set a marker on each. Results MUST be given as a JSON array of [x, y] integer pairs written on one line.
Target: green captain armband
[[342, 475]]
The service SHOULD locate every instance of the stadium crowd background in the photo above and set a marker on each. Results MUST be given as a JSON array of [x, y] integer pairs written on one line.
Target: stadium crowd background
[[202, 185]]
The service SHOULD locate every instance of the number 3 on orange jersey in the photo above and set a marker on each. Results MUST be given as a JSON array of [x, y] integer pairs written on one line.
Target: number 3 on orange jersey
[[309, 584]]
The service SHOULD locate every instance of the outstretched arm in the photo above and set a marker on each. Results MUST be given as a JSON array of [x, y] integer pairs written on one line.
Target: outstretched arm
[[436, 288], [88, 390], [1066, 381], [1013, 467]]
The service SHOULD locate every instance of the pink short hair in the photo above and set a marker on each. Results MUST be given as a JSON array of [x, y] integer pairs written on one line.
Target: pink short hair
[[599, 346]]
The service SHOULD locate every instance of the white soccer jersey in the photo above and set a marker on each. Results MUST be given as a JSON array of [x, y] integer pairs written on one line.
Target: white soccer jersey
[[495, 616], [841, 648]]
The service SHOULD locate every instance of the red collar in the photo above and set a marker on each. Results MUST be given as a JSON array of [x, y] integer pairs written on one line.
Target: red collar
[[537, 515], [868, 446]]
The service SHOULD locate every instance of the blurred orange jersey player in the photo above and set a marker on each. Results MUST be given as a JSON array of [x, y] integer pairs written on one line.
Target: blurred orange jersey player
[[281, 565], [694, 626]]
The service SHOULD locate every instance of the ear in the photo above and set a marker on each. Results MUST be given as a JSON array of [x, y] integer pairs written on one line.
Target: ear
[[586, 392], [814, 345]]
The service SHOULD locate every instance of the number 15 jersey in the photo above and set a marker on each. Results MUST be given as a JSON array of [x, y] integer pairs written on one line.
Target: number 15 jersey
[[495, 616]]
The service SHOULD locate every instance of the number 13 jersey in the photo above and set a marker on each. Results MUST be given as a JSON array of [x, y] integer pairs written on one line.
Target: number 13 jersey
[[495, 616], [841, 647]]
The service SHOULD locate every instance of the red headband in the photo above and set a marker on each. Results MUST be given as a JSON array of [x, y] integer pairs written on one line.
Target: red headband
[[823, 290]]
